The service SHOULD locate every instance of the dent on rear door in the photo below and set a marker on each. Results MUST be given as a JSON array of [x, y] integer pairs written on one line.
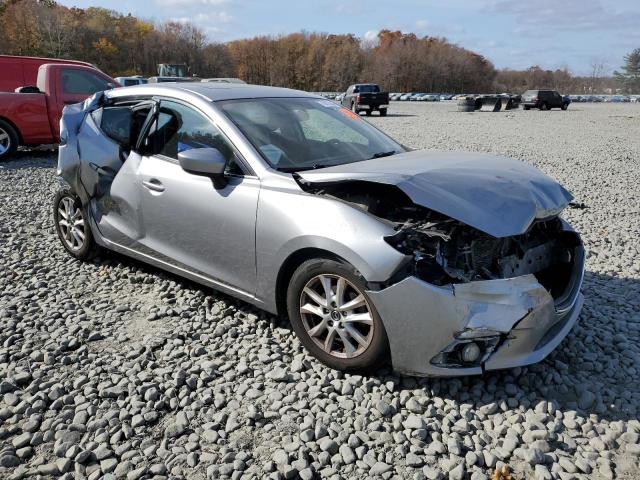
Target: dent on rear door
[[108, 177]]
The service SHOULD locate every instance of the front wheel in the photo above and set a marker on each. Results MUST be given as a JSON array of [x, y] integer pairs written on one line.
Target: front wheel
[[564, 106], [72, 225], [8, 140], [333, 317]]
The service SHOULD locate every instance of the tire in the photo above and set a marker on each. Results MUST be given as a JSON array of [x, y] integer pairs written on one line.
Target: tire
[[9, 140], [383, 112], [368, 346], [564, 106], [368, 112], [526, 107], [544, 106], [77, 241], [354, 108]]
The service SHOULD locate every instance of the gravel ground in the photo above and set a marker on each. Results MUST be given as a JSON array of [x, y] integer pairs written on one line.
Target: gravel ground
[[113, 369]]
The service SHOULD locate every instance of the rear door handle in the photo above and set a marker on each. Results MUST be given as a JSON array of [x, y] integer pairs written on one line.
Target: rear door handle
[[153, 184]]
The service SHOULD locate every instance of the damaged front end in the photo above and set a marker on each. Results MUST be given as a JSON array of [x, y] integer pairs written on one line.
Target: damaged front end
[[466, 301]]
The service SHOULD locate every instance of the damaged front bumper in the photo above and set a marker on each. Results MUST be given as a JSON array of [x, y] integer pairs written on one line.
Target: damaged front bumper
[[512, 322]]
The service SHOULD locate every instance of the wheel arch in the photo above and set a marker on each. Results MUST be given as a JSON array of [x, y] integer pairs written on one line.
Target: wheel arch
[[15, 129], [291, 263]]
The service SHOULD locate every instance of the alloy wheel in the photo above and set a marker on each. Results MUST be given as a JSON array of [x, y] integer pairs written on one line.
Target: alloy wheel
[[71, 223], [336, 316], [5, 141]]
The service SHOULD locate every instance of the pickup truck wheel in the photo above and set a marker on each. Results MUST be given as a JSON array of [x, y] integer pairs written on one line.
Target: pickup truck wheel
[[526, 107], [544, 106], [333, 317], [383, 112], [72, 225], [8, 140], [368, 112]]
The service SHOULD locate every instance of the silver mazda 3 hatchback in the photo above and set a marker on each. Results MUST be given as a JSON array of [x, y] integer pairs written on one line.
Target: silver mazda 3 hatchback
[[445, 263]]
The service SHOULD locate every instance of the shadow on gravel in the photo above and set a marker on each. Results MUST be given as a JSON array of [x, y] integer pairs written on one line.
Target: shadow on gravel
[[399, 115], [593, 371], [30, 159]]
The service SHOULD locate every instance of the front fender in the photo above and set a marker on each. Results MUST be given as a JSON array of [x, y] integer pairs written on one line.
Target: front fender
[[290, 220]]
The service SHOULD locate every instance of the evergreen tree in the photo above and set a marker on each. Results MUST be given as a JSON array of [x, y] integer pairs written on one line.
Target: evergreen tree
[[629, 77]]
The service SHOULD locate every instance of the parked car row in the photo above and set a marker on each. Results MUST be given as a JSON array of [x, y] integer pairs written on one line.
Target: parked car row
[[605, 98]]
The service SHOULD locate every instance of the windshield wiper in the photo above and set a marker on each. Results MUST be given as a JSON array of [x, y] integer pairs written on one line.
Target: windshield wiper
[[383, 154], [302, 169]]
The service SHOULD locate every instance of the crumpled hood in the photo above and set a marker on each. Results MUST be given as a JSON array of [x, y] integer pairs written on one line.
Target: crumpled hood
[[497, 195]]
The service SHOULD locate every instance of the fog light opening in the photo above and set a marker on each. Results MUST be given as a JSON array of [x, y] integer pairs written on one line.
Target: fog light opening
[[466, 353], [470, 352]]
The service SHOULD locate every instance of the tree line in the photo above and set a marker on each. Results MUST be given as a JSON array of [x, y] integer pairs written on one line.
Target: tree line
[[124, 45]]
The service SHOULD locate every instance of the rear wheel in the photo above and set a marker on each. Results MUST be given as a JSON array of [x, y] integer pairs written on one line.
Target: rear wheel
[[72, 225], [368, 112], [383, 112], [526, 107], [8, 140], [333, 317], [544, 106]]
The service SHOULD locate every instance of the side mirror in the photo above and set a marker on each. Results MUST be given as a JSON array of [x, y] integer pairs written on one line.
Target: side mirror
[[208, 162]]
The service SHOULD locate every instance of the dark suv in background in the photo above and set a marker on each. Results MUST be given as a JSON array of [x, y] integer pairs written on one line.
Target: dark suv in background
[[544, 100]]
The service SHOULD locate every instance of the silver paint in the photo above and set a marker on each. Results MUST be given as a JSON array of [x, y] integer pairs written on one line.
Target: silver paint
[[239, 238], [498, 195]]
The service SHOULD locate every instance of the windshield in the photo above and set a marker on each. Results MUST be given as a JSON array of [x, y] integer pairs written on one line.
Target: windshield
[[294, 134]]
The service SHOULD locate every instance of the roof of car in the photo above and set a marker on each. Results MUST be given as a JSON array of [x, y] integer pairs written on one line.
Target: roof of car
[[213, 91]]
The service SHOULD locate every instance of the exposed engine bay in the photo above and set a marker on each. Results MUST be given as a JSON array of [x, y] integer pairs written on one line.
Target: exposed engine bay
[[447, 251]]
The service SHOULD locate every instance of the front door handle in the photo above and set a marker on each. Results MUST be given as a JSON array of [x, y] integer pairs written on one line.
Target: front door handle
[[154, 185]]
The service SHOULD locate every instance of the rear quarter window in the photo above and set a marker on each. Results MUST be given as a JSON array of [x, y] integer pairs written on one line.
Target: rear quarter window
[[116, 123]]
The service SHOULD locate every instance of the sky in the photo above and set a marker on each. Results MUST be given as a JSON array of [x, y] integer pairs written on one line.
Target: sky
[[511, 33]]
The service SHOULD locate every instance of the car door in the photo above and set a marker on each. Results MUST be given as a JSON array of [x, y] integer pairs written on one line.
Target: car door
[[187, 220]]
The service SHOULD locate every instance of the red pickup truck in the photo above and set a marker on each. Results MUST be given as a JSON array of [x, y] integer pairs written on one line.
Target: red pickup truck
[[31, 115]]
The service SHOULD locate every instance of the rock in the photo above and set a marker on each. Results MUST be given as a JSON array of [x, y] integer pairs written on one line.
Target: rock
[[9, 461], [542, 473], [379, 468], [586, 400], [348, 457], [413, 460], [328, 445], [432, 473], [567, 465], [413, 422], [457, 473]]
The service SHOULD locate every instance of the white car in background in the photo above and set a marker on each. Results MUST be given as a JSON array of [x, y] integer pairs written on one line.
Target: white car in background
[[129, 81], [223, 80]]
